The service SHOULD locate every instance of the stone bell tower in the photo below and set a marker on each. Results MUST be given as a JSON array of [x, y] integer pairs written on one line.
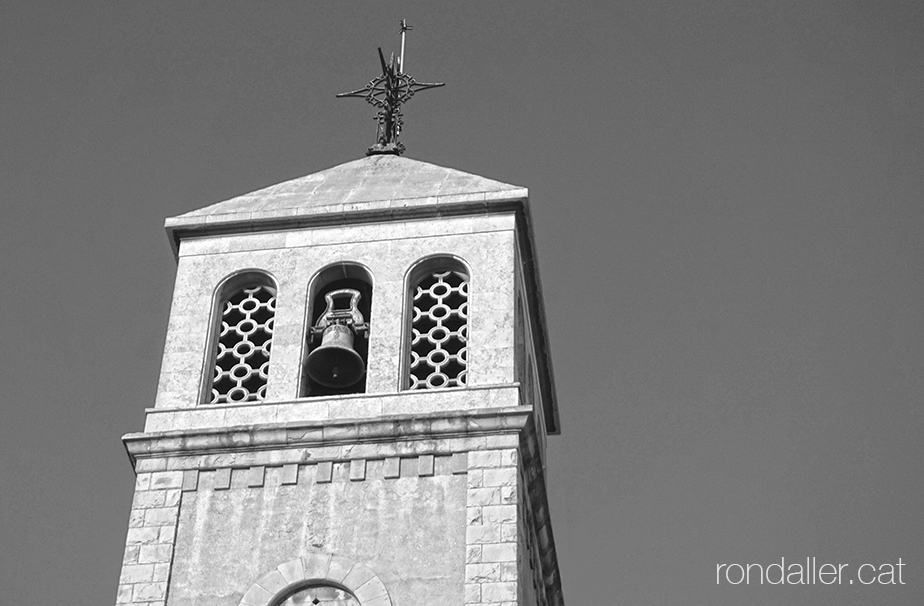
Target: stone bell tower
[[417, 479], [355, 395]]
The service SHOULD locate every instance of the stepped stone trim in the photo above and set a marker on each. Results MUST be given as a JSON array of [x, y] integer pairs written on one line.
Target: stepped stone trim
[[326, 568], [325, 472], [309, 456]]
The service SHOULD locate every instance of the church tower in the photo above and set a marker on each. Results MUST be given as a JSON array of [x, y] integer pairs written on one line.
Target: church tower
[[354, 398]]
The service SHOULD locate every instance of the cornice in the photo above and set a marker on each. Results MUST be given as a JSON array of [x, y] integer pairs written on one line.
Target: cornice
[[250, 438]]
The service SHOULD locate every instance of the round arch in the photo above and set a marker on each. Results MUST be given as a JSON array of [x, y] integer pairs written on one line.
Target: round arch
[[317, 569], [415, 274], [227, 287]]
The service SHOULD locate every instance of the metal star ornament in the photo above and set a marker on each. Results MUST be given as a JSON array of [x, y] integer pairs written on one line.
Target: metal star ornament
[[388, 92]]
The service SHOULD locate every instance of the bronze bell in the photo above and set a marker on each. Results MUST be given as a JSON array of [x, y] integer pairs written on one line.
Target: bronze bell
[[334, 363]]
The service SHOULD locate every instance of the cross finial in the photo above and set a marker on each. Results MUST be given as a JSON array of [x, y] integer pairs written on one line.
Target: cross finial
[[404, 29], [389, 92]]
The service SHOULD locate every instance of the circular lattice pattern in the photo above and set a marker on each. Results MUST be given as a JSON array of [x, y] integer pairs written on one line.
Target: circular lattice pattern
[[439, 331], [244, 341]]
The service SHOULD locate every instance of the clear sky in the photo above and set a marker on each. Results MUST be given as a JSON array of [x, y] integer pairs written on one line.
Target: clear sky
[[727, 199]]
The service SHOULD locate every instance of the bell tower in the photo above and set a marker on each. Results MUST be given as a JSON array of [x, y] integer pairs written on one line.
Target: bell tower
[[355, 395]]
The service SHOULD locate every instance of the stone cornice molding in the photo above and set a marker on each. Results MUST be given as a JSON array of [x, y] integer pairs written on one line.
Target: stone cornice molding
[[326, 433]]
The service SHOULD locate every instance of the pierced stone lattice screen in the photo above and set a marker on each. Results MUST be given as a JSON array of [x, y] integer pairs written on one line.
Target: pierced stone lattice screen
[[439, 331], [243, 351]]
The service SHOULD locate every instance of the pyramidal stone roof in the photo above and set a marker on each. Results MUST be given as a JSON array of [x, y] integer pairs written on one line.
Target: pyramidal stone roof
[[373, 183]]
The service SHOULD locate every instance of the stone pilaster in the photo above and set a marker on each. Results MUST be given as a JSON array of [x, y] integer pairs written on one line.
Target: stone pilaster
[[491, 533], [150, 540]]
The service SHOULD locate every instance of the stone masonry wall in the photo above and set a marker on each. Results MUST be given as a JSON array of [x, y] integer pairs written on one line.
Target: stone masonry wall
[[494, 536], [491, 533], [150, 539]]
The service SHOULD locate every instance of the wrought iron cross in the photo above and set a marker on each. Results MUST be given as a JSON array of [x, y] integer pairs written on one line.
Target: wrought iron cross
[[389, 92]]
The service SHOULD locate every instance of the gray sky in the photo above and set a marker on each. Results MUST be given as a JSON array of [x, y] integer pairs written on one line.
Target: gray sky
[[728, 206]]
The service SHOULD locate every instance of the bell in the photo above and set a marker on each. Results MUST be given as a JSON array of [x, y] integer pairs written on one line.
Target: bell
[[334, 363]]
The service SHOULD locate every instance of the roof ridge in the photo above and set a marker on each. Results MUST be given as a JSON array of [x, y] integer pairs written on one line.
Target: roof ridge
[[373, 179]]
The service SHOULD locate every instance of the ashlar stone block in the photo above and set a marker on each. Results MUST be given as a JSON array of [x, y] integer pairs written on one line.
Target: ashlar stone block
[[482, 573], [149, 592], [357, 470], [136, 518], [459, 463], [472, 593], [498, 514], [475, 478], [172, 496], [508, 571], [292, 571], [392, 468], [147, 499], [499, 552], [256, 596], [371, 590], [142, 536], [504, 476], [325, 472], [222, 480], [167, 534], [425, 465], [273, 581], [137, 573], [484, 533], [161, 480], [190, 480], [484, 459], [143, 481], [255, 476], [483, 496], [289, 474], [161, 573], [499, 592], [358, 575], [155, 554], [473, 516], [161, 516], [316, 565], [339, 568]]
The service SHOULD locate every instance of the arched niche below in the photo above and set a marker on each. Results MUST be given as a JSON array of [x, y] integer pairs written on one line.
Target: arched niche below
[[278, 584]]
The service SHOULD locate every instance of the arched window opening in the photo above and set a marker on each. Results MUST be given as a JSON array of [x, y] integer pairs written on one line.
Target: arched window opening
[[437, 352], [246, 311], [340, 307], [320, 595]]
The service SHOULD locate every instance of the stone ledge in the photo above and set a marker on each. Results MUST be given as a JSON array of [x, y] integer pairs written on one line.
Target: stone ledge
[[329, 408], [326, 433]]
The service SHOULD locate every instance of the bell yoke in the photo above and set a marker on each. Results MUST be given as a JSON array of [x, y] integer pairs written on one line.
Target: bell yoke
[[334, 363]]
